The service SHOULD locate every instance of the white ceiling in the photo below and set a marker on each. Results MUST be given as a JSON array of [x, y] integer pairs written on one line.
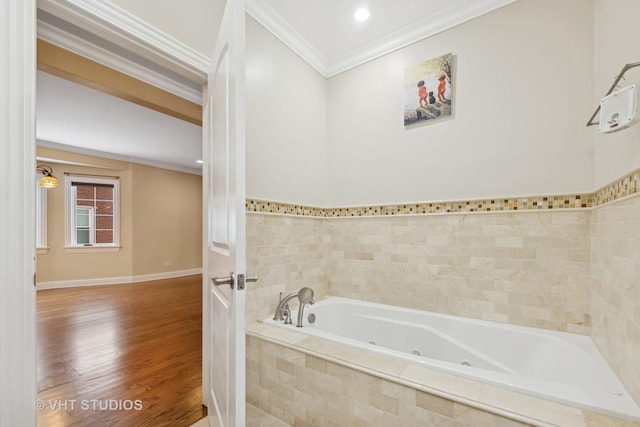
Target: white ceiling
[[323, 32], [70, 115]]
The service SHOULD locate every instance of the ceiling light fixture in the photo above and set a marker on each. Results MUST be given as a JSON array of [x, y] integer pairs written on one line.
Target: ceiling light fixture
[[361, 14], [48, 180], [199, 162]]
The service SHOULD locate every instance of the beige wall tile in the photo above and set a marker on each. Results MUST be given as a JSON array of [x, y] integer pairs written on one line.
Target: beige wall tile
[[335, 395], [598, 420], [287, 253], [615, 290], [531, 407], [508, 267]]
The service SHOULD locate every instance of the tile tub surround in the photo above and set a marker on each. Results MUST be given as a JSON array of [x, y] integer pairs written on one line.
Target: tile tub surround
[[615, 288], [526, 268], [517, 283], [309, 381], [531, 270], [287, 253]]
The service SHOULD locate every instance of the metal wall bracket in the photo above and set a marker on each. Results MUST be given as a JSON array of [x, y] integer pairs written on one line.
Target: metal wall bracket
[[619, 77]]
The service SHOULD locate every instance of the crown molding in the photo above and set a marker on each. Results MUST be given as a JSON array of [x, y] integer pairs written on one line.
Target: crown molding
[[106, 57], [111, 156], [273, 22], [446, 19], [453, 15], [116, 25]]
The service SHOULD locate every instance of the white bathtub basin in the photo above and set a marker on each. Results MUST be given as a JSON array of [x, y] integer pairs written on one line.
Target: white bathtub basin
[[560, 366]]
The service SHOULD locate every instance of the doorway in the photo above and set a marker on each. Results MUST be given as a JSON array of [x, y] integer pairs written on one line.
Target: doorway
[[132, 351]]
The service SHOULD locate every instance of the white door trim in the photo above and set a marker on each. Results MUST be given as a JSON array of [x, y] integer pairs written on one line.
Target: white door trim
[[17, 212]]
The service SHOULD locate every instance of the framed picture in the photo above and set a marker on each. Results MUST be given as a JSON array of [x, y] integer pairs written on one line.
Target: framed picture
[[428, 90]]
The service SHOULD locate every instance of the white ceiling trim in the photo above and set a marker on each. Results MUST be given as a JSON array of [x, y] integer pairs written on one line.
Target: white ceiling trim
[[118, 26], [66, 162], [272, 21], [329, 67], [112, 156], [107, 58]]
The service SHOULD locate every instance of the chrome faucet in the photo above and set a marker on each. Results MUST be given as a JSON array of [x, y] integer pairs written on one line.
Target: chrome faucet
[[283, 308], [305, 296]]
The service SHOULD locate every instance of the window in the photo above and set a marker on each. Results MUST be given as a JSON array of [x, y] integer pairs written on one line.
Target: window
[[85, 225], [92, 212]]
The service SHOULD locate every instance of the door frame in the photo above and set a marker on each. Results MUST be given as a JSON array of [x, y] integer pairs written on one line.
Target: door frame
[[17, 213], [18, 160]]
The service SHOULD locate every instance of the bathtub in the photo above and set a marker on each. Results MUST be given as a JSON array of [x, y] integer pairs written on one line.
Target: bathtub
[[559, 366]]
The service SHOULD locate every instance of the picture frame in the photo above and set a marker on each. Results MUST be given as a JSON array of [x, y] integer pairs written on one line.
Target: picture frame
[[428, 91]]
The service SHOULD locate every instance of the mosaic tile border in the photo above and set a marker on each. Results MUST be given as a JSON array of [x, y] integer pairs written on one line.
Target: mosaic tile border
[[263, 206], [623, 187]]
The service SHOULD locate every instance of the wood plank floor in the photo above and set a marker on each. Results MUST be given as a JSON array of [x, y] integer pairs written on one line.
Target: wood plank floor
[[103, 352]]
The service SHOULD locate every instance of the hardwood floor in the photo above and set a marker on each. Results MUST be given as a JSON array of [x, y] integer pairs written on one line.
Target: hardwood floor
[[121, 355]]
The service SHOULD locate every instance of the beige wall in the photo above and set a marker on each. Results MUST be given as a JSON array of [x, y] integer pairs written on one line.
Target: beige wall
[[57, 264], [167, 220], [147, 235]]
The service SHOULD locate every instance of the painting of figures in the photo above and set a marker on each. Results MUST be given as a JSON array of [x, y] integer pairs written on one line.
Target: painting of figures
[[428, 88]]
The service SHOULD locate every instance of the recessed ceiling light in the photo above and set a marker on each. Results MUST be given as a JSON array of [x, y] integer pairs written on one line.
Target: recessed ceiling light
[[199, 161], [361, 14]]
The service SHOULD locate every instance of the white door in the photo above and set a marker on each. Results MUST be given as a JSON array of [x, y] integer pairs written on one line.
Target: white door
[[224, 219]]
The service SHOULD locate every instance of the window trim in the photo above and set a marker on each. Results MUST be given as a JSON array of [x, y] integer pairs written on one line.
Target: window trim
[[41, 218], [70, 213]]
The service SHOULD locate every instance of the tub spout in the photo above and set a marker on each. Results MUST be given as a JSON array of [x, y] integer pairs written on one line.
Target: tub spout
[[282, 305]]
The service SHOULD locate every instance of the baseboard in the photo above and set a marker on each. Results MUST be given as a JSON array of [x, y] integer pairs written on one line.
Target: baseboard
[[116, 280]]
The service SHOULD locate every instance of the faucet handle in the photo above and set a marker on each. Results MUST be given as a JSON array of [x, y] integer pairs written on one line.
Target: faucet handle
[[287, 314]]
